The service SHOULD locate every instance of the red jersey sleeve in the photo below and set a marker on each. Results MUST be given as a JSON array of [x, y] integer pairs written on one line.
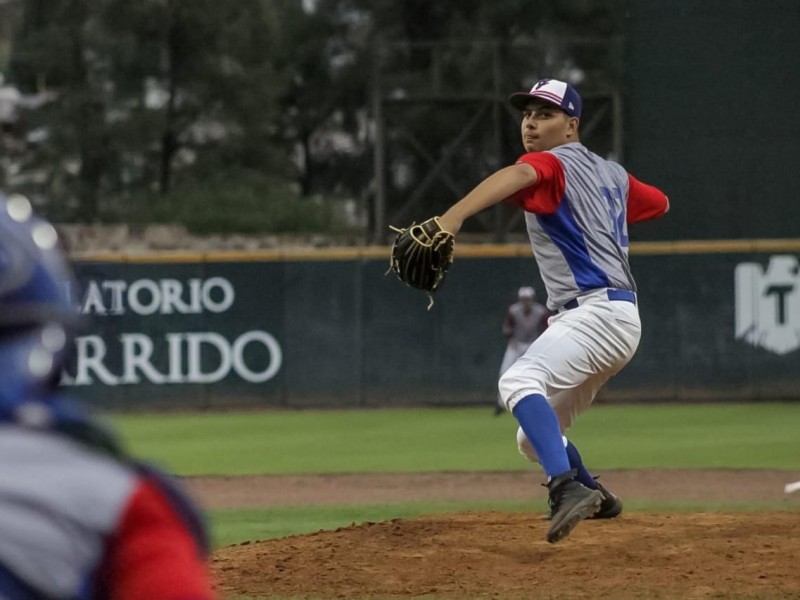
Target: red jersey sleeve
[[544, 196], [152, 556], [645, 201]]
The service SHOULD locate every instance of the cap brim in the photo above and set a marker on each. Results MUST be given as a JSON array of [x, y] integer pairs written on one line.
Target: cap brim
[[520, 100]]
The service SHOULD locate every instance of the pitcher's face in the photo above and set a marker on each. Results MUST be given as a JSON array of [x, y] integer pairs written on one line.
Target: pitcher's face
[[545, 126]]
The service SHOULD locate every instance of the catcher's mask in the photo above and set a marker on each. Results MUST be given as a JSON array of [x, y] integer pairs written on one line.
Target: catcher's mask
[[37, 319]]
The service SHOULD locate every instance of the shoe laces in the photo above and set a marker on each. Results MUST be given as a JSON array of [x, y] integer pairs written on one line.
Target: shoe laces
[[556, 495], [552, 503]]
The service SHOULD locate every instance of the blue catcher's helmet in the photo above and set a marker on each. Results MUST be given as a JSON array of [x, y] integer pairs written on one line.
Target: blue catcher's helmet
[[37, 319]]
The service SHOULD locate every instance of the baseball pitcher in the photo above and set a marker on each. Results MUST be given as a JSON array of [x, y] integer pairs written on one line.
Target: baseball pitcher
[[577, 209]]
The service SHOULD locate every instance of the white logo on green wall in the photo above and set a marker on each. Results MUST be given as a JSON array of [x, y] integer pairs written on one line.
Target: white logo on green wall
[[176, 357], [768, 304]]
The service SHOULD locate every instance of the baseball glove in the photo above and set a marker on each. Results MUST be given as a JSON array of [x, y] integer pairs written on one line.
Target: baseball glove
[[422, 254]]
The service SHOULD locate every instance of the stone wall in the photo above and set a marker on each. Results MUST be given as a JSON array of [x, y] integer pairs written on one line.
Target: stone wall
[[132, 239]]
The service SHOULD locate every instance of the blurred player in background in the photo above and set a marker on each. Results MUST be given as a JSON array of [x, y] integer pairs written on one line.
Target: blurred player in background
[[79, 517], [525, 321]]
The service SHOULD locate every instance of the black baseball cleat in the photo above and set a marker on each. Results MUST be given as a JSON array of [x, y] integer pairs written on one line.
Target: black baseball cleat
[[570, 503], [610, 507]]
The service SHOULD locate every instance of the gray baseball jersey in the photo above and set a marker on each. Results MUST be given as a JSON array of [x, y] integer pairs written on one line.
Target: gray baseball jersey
[[582, 244]]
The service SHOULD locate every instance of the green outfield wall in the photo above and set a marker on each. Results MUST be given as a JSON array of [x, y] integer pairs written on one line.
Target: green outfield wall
[[328, 328], [706, 89]]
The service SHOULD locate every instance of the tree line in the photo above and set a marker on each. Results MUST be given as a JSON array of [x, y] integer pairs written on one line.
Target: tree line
[[253, 115]]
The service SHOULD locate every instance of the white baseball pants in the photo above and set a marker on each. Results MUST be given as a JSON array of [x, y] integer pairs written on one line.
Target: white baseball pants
[[577, 354]]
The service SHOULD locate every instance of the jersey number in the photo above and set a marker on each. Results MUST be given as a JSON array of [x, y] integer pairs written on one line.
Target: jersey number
[[616, 211]]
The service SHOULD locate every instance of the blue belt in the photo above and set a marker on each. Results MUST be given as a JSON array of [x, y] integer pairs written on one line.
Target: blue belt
[[612, 293]]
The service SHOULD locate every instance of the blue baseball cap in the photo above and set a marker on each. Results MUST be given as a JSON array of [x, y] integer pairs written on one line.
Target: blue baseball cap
[[555, 92]]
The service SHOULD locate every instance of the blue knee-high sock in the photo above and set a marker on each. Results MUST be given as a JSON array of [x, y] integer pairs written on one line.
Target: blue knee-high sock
[[541, 427], [576, 462]]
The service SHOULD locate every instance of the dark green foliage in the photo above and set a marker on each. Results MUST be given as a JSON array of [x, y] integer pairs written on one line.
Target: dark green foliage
[[245, 202], [145, 101], [141, 94]]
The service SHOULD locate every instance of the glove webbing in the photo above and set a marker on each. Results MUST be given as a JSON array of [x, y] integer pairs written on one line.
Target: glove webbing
[[418, 257]]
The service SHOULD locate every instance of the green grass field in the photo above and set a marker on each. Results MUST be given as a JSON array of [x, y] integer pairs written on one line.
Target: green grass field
[[749, 436], [461, 439]]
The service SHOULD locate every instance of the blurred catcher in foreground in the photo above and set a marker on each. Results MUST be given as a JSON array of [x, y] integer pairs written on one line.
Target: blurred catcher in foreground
[[79, 517]]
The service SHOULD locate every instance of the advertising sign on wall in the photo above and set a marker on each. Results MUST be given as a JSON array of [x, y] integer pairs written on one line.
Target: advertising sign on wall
[[176, 327], [340, 333], [146, 298]]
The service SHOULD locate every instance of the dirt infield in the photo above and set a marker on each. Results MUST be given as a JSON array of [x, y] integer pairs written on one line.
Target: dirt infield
[[503, 555]]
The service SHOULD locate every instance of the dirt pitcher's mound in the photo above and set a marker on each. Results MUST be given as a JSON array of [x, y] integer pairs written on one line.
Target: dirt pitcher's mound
[[504, 555]]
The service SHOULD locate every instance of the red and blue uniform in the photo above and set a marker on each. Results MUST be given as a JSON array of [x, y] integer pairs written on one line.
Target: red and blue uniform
[[80, 519], [577, 216]]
